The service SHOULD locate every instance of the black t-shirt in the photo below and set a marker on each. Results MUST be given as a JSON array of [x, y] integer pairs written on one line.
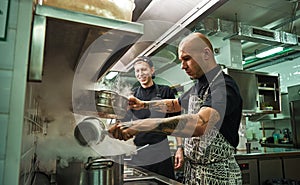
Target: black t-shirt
[[224, 96], [154, 92]]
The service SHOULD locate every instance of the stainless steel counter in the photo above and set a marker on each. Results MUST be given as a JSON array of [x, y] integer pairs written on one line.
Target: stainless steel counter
[[267, 152], [136, 176]]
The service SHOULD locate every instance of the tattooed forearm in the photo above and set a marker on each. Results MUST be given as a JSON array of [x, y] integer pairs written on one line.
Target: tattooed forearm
[[174, 124], [186, 125], [167, 106], [167, 127]]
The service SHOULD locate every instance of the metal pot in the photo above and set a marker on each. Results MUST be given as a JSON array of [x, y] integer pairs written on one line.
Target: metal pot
[[89, 131], [103, 171], [110, 104]]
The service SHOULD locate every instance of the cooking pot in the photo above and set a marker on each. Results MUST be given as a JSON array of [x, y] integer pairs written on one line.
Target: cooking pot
[[103, 171], [110, 104], [90, 131]]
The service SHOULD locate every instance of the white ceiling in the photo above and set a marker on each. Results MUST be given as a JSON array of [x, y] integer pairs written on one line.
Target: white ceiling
[[279, 15]]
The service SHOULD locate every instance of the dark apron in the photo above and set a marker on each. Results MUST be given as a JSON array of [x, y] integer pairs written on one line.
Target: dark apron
[[155, 157], [210, 158]]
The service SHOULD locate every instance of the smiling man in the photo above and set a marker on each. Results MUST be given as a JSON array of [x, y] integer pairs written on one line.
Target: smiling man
[[156, 156], [210, 127]]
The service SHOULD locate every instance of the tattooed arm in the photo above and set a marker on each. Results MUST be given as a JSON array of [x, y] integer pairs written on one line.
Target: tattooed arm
[[187, 125], [165, 105]]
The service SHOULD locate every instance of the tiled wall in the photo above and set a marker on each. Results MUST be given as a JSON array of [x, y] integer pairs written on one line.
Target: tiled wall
[[13, 68], [3, 130], [6, 73]]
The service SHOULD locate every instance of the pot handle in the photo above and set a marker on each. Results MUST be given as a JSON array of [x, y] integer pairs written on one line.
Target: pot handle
[[99, 164]]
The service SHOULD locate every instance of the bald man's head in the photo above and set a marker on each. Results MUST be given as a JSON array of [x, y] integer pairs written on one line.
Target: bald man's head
[[197, 41], [196, 49]]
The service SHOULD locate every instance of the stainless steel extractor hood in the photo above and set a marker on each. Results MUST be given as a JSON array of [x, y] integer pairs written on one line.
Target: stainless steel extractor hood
[[73, 33], [241, 31], [164, 27]]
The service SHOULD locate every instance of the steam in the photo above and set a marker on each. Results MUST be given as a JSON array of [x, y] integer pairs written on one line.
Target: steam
[[58, 102], [123, 87], [120, 85], [59, 143]]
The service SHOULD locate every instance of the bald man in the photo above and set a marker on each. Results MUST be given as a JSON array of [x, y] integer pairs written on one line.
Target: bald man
[[210, 126]]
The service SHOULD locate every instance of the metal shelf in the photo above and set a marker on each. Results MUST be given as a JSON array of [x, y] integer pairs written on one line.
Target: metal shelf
[[267, 88]]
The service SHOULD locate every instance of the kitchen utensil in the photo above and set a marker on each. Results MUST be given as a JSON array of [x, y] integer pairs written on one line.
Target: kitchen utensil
[[103, 171], [286, 135], [248, 147], [90, 131], [98, 163], [110, 104]]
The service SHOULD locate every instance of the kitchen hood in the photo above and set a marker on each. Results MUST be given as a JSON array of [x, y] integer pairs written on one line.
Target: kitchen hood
[[240, 31], [163, 27], [73, 33]]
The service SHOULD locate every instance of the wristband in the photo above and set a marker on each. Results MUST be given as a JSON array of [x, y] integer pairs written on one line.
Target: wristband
[[179, 146], [146, 105]]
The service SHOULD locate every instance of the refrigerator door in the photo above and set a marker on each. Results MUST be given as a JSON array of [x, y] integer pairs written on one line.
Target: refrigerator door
[[294, 92], [295, 121]]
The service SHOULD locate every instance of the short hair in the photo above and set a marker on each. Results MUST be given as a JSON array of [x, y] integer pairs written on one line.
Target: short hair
[[205, 39], [143, 59], [194, 35], [146, 60]]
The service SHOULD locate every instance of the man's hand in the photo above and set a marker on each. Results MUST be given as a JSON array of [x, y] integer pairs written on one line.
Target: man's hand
[[179, 159], [122, 131], [135, 103], [126, 130]]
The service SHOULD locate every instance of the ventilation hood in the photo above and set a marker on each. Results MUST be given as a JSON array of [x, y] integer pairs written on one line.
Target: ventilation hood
[[162, 27], [241, 31], [72, 35], [75, 32]]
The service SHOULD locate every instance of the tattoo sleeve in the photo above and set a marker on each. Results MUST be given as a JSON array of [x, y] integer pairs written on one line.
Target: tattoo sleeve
[[166, 105], [182, 125], [188, 125]]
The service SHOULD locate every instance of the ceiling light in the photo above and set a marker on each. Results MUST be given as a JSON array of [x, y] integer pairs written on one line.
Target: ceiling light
[[249, 57], [269, 52], [111, 75]]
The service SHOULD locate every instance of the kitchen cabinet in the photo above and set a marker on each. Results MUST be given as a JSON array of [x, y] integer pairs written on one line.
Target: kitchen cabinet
[[249, 171], [268, 92], [248, 90], [260, 93], [291, 167], [294, 106], [269, 169], [269, 164]]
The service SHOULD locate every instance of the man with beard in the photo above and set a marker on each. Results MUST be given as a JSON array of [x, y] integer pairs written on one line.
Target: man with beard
[[210, 127]]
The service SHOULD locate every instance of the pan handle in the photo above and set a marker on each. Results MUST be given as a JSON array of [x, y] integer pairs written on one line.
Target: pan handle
[[99, 163]]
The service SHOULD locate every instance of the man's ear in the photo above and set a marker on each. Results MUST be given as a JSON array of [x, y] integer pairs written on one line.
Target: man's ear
[[207, 53], [152, 70]]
